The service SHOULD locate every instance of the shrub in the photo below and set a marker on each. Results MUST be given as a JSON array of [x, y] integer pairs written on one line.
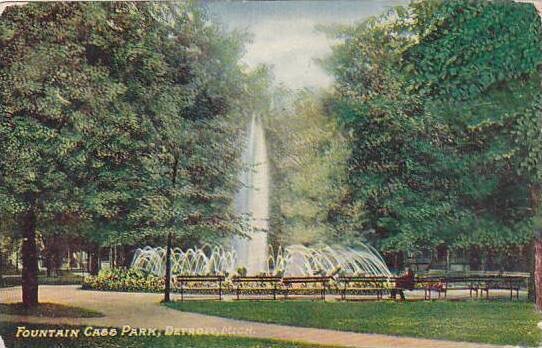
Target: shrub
[[121, 279]]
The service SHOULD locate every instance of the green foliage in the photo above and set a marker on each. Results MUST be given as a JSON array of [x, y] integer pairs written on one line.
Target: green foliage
[[242, 272], [483, 86], [119, 121], [308, 158], [397, 172], [124, 280], [464, 47], [119, 124], [131, 280], [440, 99]]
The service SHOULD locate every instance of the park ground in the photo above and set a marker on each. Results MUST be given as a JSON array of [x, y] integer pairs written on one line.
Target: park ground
[[471, 323]]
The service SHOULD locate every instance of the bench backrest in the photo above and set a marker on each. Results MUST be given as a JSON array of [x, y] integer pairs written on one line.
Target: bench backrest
[[469, 279], [196, 278], [513, 280], [355, 279], [257, 279], [323, 279]]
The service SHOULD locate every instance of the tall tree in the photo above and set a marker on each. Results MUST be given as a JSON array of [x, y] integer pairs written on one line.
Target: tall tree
[[397, 171], [308, 159], [476, 66], [439, 97], [190, 96], [102, 105], [71, 143]]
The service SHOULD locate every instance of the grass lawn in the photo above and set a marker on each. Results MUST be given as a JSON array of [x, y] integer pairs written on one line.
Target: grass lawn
[[49, 310], [497, 322], [8, 330]]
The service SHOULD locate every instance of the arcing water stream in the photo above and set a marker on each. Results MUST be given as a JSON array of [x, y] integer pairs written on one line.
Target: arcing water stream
[[253, 253]]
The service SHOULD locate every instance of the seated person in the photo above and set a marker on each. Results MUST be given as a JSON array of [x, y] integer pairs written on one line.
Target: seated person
[[404, 282]]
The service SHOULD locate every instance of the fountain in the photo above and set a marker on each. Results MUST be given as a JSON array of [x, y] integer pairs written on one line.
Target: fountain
[[253, 253], [252, 200], [299, 260], [205, 260], [294, 260]]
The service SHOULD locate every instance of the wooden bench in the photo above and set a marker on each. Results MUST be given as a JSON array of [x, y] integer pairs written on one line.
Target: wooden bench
[[431, 284], [289, 281], [372, 284], [463, 283], [259, 281], [444, 284], [511, 283], [181, 281], [477, 284]]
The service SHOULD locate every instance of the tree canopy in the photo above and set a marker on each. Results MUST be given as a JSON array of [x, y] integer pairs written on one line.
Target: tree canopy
[[441, 100], [119, 121]]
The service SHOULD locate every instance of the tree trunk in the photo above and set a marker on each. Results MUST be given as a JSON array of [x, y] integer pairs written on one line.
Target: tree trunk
[[167, 278], [128, 254], [538, 273], [48, 263], [1, 268], [114, 257], [531, 296], [95, 261], [30, 261], [88, 260], [447, 260], [534, 197]]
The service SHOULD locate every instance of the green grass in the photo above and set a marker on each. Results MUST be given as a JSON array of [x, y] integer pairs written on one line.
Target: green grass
[[49, 310], [8, 331], [497, 322]]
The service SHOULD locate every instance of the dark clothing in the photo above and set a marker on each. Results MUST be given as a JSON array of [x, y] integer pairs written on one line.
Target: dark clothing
[[394, 294], [405, 282]]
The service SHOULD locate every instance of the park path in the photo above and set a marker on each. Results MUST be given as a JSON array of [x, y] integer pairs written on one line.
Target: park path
[[144, 311]]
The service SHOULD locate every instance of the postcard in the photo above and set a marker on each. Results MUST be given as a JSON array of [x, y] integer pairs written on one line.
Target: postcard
[[349, 173]]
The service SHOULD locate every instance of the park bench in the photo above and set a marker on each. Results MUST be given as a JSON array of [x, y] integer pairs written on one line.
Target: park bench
[[475, 283], [257, 285], [201, 284], [431, 284], [364, 284], [445, 283], [288, 282], [501, 282]]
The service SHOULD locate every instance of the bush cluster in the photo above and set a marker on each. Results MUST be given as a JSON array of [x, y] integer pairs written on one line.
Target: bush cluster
[[124, 280]]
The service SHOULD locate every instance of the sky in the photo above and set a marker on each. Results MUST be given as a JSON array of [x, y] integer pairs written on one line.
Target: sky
[[284, 35]]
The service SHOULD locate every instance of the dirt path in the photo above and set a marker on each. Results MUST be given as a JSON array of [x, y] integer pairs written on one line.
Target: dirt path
[[143, 310]]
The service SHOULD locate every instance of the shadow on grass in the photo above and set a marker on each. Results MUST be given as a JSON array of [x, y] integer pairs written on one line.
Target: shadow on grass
[[48, 310]]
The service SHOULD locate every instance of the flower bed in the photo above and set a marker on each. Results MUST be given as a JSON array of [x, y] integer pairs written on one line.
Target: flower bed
[[124, 280], [138, 281]]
